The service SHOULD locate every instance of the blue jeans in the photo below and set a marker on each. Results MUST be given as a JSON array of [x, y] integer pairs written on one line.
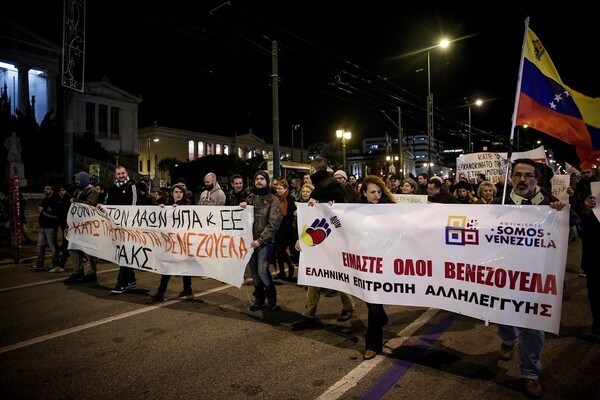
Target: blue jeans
[[47, 237], [264, 288], [531, 342]]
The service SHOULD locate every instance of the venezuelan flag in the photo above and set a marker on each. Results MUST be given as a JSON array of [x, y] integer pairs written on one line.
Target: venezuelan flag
[[550, 106]]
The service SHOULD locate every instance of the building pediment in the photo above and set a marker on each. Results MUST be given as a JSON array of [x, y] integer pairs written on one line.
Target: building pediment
[[108, 90], [249, 139], [19, 46]]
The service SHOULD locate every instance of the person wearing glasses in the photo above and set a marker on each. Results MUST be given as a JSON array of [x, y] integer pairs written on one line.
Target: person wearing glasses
[[525, 178]]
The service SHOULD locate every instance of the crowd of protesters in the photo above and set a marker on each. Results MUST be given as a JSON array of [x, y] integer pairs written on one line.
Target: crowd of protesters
[[275, 237]]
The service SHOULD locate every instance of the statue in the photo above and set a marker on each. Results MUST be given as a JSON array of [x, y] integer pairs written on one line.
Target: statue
[[13, 145]]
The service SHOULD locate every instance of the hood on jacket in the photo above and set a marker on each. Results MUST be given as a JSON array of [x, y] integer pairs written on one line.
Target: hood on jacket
[[84, 179]]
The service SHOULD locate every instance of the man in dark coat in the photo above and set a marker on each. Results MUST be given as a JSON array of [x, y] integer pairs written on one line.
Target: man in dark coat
[[327, 189]]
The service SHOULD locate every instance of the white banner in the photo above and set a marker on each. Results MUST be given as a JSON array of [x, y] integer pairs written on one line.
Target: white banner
[[185, 240], [498, 263], [538, 154], [411, 198], [595, 186], [493, 165]]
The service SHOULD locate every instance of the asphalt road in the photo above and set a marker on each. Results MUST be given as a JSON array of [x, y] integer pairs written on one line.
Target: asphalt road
[[78, 341]]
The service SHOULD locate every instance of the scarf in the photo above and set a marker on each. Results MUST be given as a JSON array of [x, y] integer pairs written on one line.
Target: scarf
[[284, 203], [121, 183], [261, 192]]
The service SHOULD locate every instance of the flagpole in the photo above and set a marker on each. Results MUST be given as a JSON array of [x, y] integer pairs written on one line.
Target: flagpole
[[514, 116]]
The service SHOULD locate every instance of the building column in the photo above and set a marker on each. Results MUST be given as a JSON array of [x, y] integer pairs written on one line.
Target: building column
[[23, 82]]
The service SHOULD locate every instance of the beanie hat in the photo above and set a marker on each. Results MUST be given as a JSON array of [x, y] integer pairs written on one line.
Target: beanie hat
[[463, 185], [341, 173], [265, 174]]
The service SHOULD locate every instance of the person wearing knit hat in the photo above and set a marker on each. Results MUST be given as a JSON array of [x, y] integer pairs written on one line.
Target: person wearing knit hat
[[264, 174], [463, 193], [395, 184], [463, 185], [267, 219], [327, 189], [350, 194], [87, 194], [341, 173]]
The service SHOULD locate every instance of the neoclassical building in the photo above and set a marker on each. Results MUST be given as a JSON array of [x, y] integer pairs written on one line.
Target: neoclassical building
[[30, 69], [158, 142]]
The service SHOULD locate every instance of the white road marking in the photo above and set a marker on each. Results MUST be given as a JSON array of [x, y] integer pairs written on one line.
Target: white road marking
[[336, 390]]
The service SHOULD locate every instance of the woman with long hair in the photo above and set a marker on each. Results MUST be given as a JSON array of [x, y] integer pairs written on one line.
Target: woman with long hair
[[178, 197], [375, 191], [285, 236]]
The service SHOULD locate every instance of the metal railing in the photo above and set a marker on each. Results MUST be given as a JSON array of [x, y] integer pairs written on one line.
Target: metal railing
[[106, 169]]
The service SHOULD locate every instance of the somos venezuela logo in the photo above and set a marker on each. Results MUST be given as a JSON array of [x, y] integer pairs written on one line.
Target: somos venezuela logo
[[462, 231]]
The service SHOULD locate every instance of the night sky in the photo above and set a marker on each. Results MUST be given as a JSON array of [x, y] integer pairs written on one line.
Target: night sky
[[341, 64]]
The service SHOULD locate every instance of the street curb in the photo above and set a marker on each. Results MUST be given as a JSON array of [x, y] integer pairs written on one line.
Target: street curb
[[22, 260]]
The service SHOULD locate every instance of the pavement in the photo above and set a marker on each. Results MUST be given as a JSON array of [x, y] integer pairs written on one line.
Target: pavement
[[10, 255], [77, 341], [28, 252]]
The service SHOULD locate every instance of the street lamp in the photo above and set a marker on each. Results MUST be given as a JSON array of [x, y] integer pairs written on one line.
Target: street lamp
[[343, 136], [392, 167], [443, 44], [155, 140], [478, 103]]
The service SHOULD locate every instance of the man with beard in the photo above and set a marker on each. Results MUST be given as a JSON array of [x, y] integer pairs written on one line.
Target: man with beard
[[267, 218], [525, 176], [124, 193], [213, 195]]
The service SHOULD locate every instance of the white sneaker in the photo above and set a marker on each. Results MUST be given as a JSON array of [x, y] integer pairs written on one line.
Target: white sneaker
[[57, 269]]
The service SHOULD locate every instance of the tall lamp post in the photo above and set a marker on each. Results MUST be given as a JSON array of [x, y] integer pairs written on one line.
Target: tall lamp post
[[478, 103], [155, 140], [443, 44], [344, 136]]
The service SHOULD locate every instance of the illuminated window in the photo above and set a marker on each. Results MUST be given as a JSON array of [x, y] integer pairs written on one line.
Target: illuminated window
[[200, 149], [225, 149], [190, 150], [217, 148], [9, 76]]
